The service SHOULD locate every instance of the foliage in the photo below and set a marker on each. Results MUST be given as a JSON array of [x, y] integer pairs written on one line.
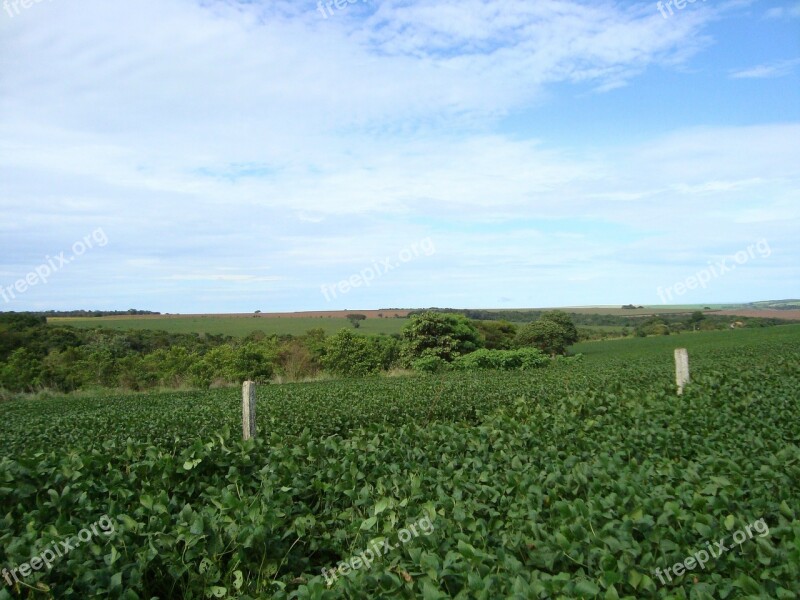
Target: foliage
[[351, 355], [551, 334], [548, 336], [64, 359], [619, 317], [497, 335], [502, 360], [574, 481], [654, 326], [430, 364], [445, 336], [566, 323], [22, 371], [355, 320], [253, 361]]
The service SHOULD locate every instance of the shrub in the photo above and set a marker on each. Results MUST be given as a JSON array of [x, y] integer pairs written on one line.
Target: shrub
[[22, 372], [502, 360], [447, 336], [430, 364], [351, 355]]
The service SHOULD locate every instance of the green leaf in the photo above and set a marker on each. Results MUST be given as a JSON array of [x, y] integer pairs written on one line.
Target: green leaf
[[191, 464], [748, 584], [216, 591], [198, 527], [587, 589], [634, 578], [382, 504]]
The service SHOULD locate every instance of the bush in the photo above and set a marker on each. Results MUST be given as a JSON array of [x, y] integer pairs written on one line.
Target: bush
[[447, 336], [502, 360], [351, 355], [22, 372], [430, 364]]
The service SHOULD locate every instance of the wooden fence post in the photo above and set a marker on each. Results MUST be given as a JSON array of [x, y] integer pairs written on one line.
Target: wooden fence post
[[681, 368], [249, 409]]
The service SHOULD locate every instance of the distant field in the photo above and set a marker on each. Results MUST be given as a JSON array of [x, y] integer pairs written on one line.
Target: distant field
[[233, 325], [240, 325], [708, 343], [614, 311], [793, 315]]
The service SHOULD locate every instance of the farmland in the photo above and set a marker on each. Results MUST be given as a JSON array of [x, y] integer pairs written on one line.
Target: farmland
[[577, 480], [386, 322], [237, 325]]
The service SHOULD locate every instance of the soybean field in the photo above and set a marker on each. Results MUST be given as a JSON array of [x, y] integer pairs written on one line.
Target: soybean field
[[588, 478]]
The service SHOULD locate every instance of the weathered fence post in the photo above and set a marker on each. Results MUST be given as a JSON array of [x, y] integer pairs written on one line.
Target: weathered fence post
[[681, 368], [249, 409]]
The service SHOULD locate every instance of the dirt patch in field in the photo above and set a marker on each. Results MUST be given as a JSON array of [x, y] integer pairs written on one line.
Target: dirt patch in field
[[788, 315]]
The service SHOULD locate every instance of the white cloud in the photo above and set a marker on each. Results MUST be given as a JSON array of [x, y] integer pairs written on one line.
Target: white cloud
[[768, 71], [220, 277], [784, 12], [214, 142]]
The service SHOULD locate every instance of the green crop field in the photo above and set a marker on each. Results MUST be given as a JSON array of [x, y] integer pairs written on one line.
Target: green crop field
[[616, 310], [587, 478], [240, 326], [234, 326]]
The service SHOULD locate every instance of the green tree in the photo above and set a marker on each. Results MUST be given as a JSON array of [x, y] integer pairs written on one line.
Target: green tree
[[296, 360], [351, 355], [22, 371], [447, 336], [61, 369], [497, 335], [314, 340], [387, 349], [544, 334], [355, 320], [254, 361], [696, 318], [552, 333], [565, 321], [653, 326], [172, 365]]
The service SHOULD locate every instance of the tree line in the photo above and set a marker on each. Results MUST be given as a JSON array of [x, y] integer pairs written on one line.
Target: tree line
[[36, 356]]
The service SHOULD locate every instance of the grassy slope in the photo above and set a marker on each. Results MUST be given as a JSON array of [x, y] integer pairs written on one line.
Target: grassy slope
[[701, 341]]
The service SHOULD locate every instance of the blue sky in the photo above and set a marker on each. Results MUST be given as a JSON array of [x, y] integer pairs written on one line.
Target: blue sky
[[221, 156]]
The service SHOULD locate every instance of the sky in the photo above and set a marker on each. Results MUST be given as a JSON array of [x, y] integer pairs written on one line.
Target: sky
[[215, 156]]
